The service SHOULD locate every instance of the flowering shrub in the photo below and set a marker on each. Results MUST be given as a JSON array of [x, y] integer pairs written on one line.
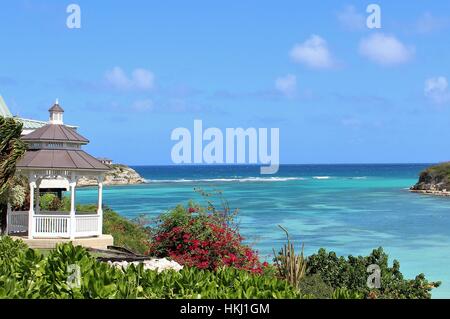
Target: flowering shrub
[[202, 238]]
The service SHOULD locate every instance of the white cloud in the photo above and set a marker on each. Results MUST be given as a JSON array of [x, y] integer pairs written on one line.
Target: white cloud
[[313, 53], [286, 85], [350, 19], [436, 89], [385, 50], [143, 105], [141, 79]]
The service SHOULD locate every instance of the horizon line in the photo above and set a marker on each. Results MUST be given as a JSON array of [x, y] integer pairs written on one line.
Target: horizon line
[[285, 164]]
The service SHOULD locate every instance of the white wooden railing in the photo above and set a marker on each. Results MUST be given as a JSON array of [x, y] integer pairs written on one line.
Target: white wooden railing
[[17, 222], [87, 225], [55, 224], [51, 226]]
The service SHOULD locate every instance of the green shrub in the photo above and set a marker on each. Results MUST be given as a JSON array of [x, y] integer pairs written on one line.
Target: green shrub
[[30, 275], [47, 201], [314, 286], [10, 248], [344, 293], [126, 233], [351, 273]]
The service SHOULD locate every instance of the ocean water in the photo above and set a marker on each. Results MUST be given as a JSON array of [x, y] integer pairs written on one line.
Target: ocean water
[[350, 209]]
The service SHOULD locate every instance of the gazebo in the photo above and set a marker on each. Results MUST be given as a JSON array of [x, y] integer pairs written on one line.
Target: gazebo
[[55, 153]]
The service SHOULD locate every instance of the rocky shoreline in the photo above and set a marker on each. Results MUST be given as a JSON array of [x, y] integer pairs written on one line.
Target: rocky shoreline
[[435, 180], [430, 192], [118, 175]]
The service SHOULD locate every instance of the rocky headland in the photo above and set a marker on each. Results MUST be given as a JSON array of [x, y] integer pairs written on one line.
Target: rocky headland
[[118, 175], [435, 180]]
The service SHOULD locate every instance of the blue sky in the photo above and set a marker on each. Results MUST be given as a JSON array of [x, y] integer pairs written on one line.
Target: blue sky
[[338, 91]]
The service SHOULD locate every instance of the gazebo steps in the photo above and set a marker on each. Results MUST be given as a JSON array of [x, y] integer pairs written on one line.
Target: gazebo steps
[[101, 242]]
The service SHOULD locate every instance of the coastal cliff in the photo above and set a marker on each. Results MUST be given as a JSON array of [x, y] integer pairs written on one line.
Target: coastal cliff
[[118, 175], [435, 180]]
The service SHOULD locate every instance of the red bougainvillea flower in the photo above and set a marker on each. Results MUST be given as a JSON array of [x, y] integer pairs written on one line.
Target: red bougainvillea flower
[[203, 241]]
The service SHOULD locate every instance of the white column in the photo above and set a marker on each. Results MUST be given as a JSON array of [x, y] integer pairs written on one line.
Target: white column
[[8, 217], [31, 229], [99, 207], [72, 220], [37, 208]]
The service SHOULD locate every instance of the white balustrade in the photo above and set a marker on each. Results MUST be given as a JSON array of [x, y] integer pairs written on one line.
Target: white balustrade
[[54, 224], [17, 222], [51, 225], [86, 225]]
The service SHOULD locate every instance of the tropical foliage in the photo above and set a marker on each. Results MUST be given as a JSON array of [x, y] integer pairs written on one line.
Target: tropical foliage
[[351, 273], [12, 149], [131, 234], [25, 273], [290, 266]]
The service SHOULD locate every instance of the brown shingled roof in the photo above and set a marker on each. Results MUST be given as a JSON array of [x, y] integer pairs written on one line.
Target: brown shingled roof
[[56, 108], [60, 159], [55, 132]]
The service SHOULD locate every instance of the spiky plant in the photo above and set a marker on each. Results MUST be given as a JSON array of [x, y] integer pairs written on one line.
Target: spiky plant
[[12, 148], [290, 266]]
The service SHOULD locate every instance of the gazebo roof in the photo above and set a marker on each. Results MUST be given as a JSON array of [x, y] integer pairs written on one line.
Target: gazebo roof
[[56, 108], [60, 159], [56, 147], [57, 133]]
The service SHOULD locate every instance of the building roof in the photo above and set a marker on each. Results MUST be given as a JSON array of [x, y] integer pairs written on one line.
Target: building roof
[[29, 124], [60, 159], [55, 132], [56, 108], [4, 110]]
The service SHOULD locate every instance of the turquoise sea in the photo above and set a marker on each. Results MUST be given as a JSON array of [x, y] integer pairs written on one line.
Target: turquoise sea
[[350, 209]]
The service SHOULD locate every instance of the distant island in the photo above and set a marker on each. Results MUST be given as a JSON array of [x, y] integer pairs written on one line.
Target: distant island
[[119, 174], [435, 180]]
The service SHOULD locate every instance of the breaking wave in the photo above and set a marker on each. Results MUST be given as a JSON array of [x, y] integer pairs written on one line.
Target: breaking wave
[[241, 180]]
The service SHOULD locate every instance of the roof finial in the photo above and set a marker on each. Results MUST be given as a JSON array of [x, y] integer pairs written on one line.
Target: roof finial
[[57, 101]]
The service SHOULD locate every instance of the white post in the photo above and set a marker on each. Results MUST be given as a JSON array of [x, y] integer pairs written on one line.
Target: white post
[[72, 210], [31, 211], [99, 207], [8, 217], [37, 208]]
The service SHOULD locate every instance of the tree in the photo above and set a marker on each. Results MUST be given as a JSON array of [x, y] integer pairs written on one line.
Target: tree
[[12, 148]]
